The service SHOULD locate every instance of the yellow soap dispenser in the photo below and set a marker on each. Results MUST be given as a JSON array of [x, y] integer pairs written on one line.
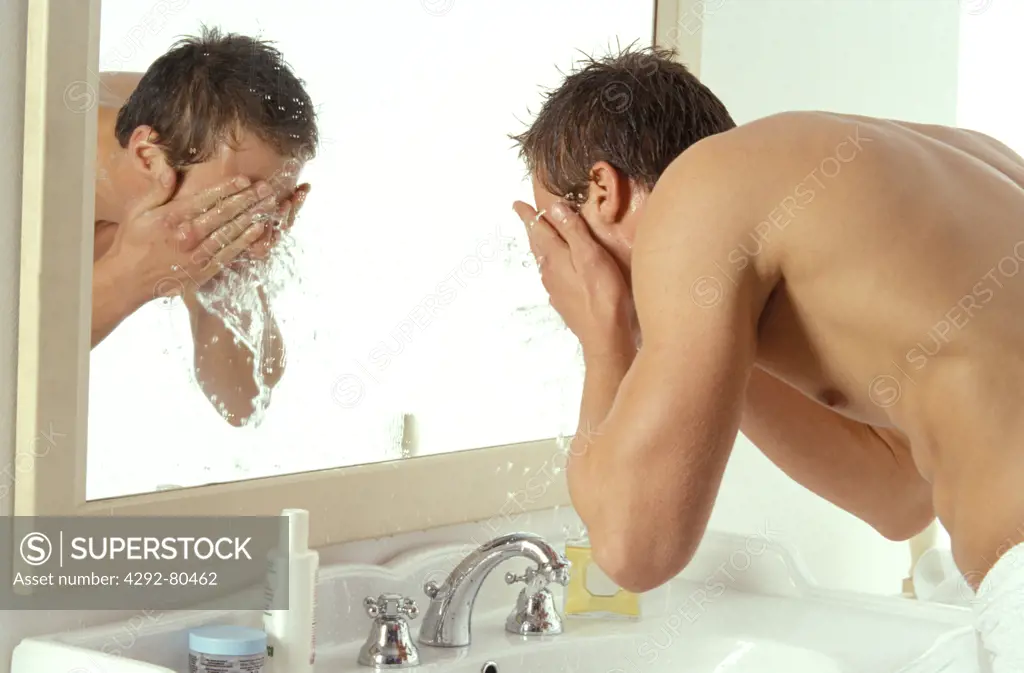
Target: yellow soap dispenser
[[580, 597]]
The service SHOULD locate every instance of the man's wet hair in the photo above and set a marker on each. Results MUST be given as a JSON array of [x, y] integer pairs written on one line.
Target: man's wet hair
[[637, 110], [209, 88]]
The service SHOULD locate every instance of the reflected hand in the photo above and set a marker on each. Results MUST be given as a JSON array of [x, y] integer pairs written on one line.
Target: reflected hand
[[286, 213], [584, 282], [165, 249]]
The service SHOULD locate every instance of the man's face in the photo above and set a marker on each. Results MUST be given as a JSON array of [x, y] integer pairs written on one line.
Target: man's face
[[543, 200], [615, 233], [250, 157]]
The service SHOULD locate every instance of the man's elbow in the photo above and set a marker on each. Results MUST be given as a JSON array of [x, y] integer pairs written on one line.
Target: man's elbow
[[906, 520], [238, 413], [639, 564]]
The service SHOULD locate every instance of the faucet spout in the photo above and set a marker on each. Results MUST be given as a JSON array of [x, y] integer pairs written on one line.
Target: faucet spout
[[446, 621]]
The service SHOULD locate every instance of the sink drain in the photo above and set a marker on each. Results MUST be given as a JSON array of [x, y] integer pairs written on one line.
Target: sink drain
[[489, 667]]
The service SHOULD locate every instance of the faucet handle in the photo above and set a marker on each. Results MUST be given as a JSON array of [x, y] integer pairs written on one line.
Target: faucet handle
[[512, 578], [541, 576], [390, 605], [389, 644]]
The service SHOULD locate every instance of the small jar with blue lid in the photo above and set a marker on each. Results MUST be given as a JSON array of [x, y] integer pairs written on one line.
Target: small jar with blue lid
[[226, 649]]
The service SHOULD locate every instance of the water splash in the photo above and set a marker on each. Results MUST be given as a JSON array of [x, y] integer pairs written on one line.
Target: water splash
[[234, 297]]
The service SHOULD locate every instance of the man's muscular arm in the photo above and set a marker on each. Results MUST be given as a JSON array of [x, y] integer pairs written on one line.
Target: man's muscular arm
[[645, 481], [865, 471]]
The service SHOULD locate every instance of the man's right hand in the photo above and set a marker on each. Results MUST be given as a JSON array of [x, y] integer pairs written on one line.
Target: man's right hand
[[180, 245]]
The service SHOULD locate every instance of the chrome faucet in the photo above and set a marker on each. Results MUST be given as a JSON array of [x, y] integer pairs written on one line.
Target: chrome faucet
[[446, 621]]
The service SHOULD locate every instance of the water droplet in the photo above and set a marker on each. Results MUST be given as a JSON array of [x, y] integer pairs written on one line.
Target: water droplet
[[509, 466]]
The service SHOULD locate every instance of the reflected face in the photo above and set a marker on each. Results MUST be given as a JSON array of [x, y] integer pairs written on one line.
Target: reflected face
[[250, 157]]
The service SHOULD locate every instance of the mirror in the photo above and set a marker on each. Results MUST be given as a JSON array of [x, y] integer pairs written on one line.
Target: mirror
[[400, 315]]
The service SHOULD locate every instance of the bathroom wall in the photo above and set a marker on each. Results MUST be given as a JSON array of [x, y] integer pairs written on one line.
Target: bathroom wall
[[885, 57]]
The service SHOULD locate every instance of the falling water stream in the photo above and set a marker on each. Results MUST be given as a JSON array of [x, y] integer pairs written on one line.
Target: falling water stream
[[242, 297]]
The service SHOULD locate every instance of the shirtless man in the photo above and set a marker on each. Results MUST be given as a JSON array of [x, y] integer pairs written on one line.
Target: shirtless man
[[170, 142], [844, 290]]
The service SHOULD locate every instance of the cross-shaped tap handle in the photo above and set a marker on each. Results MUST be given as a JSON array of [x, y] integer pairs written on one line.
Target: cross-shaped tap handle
[[546, 573], [390, 605]]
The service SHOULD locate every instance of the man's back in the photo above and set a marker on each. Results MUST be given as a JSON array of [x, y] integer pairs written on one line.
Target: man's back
[[841, 289], [889, 254]]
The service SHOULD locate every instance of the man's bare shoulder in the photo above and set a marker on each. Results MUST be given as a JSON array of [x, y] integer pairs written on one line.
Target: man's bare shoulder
[[765, 148], [739, 173], [738, 190]]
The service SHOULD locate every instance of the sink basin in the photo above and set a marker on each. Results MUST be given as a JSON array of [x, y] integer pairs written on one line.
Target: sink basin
[[738, 607], [619, 655], [737, 633]]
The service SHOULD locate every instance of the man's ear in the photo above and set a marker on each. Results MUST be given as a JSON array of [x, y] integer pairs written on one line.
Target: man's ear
[[609, 194], [607, 204], [149, 160]]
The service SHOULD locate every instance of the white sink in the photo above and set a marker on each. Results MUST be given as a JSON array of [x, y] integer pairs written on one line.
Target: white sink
[[737, 608], [737, 633]]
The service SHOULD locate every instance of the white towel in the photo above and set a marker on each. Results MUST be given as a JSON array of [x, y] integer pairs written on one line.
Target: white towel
[[999, 614], [995, 643], [938, 580]]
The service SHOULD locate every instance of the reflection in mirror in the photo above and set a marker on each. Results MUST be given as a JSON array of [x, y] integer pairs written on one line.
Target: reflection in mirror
[[380, 301]]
